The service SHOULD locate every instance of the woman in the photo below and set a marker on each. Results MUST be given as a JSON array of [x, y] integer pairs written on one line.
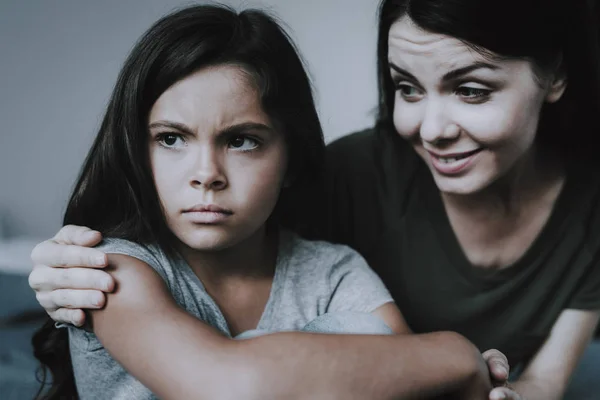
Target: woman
[[474, 196]]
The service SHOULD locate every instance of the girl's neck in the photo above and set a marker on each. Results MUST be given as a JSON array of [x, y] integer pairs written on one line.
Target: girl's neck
[[252, 259], [536, 174]]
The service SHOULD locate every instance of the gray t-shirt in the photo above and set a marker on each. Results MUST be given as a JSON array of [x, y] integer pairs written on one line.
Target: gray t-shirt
[[311, 279]]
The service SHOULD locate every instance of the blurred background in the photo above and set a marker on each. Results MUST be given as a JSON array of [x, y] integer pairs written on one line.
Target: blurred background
[[58, 63]]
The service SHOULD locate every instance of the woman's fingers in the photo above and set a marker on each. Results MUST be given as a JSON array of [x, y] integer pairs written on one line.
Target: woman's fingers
[[67, 316], [69, 298], [56, 254], [44, 278], [497, 364]]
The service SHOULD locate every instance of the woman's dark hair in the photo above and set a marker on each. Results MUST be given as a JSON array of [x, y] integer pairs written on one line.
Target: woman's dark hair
[[115, 192], [552, 34]]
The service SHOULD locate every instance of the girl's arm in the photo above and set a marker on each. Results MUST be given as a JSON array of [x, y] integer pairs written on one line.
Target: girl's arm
[[547, 375], [178, 356]]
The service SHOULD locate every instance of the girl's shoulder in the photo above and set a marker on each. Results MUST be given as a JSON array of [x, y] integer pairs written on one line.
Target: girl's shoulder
[[317, 260], [150, 254], [334, 273], [317, 253]]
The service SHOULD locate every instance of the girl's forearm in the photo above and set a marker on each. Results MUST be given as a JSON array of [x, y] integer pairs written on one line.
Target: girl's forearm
[[300, 365]]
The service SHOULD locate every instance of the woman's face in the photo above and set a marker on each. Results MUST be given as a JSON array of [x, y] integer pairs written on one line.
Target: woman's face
[[218, 162], [469, 117]]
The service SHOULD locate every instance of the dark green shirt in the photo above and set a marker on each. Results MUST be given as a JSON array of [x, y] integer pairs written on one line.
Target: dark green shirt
[[382, 200]]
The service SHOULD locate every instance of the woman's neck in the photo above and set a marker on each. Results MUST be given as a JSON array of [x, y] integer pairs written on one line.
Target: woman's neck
[[252, 259], [495, 227]]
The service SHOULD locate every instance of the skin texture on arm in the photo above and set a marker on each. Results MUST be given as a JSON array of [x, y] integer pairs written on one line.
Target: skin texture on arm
[[547, 375], [391, 315], [495, 360], [204, 364]]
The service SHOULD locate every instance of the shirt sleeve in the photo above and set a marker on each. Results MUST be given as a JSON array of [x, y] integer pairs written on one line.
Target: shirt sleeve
[[587, 294], [354, 285], [146, 254]]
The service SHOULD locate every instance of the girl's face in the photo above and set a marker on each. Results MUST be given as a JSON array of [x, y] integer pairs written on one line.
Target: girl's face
[[218, 163], [470, 118]]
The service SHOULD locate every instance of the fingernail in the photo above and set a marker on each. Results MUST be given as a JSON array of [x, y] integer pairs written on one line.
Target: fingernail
[[106, 285], [99, 260]]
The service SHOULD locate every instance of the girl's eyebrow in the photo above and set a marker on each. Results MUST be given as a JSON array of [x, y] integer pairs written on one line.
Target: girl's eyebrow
[[451, 75], [232, 129], [244, 127], [171, 125]]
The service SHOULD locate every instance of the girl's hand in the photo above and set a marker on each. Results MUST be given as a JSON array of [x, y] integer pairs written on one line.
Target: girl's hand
[[480, 385], [67, 274]]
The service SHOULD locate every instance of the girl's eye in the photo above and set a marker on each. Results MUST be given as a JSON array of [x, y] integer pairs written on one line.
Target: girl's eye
[[243, 143], [472, 93], [170, 140]]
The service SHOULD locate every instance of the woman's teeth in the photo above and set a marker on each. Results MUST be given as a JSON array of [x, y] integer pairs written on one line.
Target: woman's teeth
[[448, 160]]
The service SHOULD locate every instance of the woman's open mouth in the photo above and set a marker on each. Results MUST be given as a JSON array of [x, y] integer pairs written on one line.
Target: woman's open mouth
[[453, 163]]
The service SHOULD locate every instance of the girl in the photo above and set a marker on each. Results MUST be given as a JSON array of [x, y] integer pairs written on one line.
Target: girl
[[209, 148]]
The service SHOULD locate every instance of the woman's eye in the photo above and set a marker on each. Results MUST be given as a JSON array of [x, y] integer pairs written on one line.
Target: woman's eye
[[243, 143], [472, 93], [408, 92]]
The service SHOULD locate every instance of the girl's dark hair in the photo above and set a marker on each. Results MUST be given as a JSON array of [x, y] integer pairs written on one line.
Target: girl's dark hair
[[552, 34], [115, 193]]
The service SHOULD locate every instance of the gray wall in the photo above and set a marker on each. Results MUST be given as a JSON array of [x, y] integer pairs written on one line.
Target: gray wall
[[59, 60]]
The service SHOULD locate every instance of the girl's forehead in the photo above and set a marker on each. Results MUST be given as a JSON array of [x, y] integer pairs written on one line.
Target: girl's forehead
[[215, 96]]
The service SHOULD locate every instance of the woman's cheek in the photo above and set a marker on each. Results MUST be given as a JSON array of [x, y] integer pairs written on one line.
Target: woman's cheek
[[406, 122]]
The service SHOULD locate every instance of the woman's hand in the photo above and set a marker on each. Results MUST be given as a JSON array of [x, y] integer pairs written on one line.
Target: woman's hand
[[67, 275], [499, 371], [498, 366]]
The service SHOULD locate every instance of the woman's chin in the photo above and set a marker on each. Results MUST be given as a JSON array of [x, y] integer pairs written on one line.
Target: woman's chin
[[468, 184]]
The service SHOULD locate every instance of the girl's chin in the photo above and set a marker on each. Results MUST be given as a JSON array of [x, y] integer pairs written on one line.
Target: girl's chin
[[207, 240]]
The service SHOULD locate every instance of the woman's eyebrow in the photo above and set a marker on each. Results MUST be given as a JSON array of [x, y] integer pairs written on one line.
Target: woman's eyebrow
[[458, 72], [402, 71], [451, 75]]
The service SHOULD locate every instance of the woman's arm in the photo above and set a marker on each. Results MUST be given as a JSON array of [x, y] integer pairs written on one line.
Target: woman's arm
[[178, 356], [547, 375]]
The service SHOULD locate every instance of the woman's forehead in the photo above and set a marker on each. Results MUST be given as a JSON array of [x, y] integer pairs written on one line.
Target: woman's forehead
[[407, 38], [412, 48]]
